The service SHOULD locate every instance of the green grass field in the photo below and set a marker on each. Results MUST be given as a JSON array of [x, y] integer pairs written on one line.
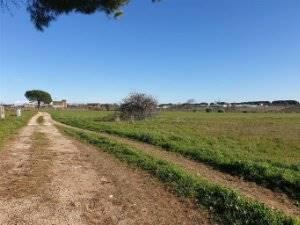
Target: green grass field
[[264, 147], [11, 124], [228, 206]]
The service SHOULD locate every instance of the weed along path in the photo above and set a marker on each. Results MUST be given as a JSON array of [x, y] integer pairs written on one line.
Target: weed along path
[[275, 200], [47, 178]]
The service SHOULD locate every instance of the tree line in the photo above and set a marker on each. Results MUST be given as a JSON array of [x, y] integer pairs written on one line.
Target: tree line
[[215, 104]]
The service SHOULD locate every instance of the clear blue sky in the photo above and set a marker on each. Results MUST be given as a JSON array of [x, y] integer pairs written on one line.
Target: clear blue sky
[[209, 50]]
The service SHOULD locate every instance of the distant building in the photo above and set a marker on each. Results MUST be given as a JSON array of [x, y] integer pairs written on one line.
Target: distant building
[[30, 105], [8, 105], [164, 106], [93, 105], [59, 104], [76, 105]]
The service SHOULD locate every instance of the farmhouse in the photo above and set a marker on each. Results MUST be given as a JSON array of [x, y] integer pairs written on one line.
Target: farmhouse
[[59, 104], [93, 105], [30, 105], [165, 106]]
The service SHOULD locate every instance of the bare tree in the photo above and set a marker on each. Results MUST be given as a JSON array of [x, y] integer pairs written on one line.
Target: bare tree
[[138, 106], [190, 101], [189, 104]]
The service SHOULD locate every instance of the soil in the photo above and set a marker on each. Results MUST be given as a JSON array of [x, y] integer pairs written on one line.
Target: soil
[[47, 178]]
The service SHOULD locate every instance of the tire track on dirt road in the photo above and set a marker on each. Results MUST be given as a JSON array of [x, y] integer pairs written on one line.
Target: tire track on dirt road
[[275, 200], [47, 178]]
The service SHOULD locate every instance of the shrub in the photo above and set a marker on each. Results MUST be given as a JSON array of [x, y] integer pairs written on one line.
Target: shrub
[[138, 106], [221, 110], [208, 110]]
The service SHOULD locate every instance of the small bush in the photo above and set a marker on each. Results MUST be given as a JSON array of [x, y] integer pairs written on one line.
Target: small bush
[[221, 110], [208, 110], [138, 106]]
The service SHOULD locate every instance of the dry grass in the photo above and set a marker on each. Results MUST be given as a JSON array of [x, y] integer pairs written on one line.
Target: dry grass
[[35, 173], [40, 120], [11, 124]]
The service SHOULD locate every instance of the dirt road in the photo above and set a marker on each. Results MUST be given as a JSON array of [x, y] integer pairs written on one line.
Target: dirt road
[[47, 178]]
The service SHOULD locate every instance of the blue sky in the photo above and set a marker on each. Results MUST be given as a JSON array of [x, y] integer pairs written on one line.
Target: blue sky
[[229, 50]]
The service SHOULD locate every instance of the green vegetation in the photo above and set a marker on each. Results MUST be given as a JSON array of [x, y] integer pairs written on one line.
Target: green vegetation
[[263, 147], [228, 205], [11, 124], [42, 12], [138, 106], [39, 96]]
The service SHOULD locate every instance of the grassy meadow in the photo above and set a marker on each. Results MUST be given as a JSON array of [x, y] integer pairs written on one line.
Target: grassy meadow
[[11, 124], [264, 147], [228, 206]]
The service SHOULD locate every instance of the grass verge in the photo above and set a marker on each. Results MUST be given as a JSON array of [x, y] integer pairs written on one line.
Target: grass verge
[[11, 124], [228, 205]]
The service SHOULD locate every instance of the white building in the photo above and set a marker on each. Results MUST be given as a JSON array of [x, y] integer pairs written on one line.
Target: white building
[[59, 104]]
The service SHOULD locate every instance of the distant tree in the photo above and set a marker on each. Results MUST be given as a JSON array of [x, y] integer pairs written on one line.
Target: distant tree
[[38, 96], [190, 101], [285, 102], [42, 12], [138, 106], [189, 104], [208, 110]]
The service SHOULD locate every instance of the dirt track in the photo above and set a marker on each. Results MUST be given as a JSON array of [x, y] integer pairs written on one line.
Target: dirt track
[[47, 178]]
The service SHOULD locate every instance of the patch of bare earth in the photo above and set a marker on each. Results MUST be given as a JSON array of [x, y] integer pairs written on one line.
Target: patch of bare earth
[[277, 200], [46, 178]]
